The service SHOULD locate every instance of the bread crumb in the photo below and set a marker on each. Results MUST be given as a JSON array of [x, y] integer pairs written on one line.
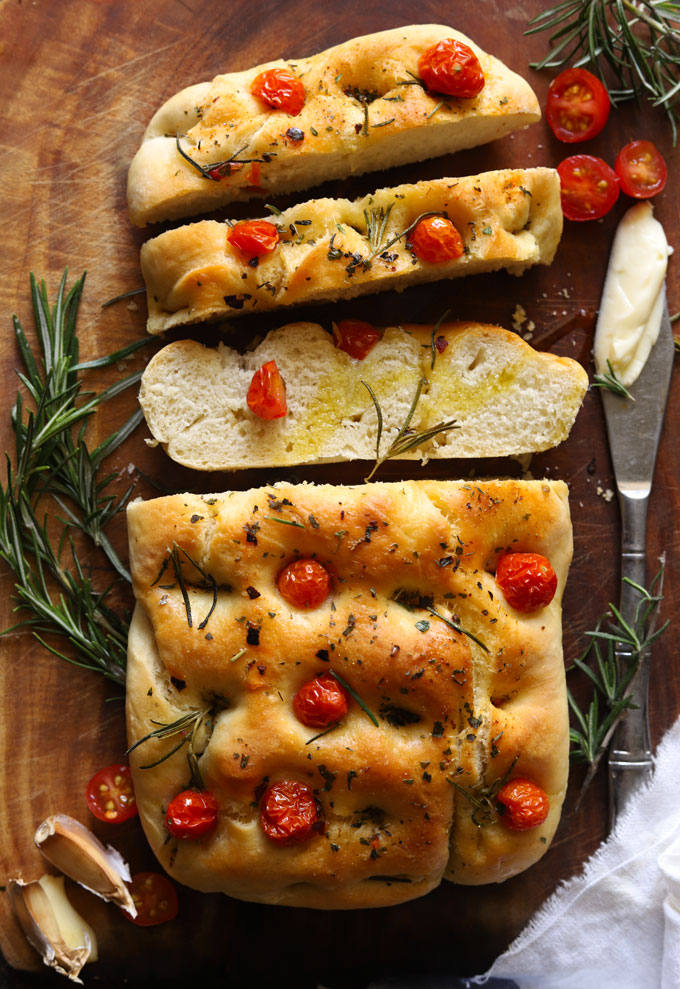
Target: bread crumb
[[607, 493], [132, 306], [519, 317]]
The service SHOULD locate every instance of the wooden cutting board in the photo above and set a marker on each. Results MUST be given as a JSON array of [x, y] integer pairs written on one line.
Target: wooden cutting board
[[79, 81]]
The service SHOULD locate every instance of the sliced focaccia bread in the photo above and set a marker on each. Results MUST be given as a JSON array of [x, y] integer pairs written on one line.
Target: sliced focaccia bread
[[503, 397], [288, 125], [351, 684], [329, 249]]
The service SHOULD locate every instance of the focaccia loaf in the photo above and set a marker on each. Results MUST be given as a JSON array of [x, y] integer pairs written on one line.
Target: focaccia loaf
[[505, 397], [363, 110], [465, 690], [333, 249]]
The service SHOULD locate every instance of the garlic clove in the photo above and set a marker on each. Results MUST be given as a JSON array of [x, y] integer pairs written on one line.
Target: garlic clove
[[75, 851], [58, 933]]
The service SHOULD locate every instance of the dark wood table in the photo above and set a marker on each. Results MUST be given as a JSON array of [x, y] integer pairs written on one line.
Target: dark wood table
[[79, 81]]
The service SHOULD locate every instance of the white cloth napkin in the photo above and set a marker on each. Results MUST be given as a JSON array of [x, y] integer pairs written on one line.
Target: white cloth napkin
[[617, 925]]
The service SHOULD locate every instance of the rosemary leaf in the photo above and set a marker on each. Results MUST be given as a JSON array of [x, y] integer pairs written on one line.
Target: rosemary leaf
[[611, 383], [457, 628], [356, 697]]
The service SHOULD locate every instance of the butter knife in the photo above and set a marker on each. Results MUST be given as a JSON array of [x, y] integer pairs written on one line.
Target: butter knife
[[634, 428]]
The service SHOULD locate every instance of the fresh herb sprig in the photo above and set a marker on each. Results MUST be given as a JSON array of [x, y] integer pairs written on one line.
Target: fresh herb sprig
[[611, 697], [611, 383], [637, 42], [483, 796], [217, 170], [187, 727], [54, 467], [376, 228], [406, 439]]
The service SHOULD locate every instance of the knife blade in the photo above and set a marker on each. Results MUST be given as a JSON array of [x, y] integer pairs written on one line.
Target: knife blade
[[634, 428]]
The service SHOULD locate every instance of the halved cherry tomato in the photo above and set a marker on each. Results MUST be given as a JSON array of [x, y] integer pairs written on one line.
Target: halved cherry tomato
[[525, 804], [355, 337], [254, 237], [266, 396], [191, 814], [452, 68], [578, 106], [321, 702], [589, 187], [289, 812], [155, 898], [304, 583], [280, 90], [110, 795], [435, 239], [527, 580], [641, 169]]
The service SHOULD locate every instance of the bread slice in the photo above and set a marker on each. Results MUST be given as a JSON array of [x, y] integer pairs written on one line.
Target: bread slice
[[364, 110], [505, 397], [333, 249]]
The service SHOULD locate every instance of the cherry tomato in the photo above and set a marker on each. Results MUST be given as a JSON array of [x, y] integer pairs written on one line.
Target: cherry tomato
[[155, 898], [110, 795], [254, 237], [525, 804], [578, 106], [280, 90], [288, 812], [527, 580], [451, 68], [266, 396], [191, 814], [321, 702], [355, 337], [641, 169], [589, 187], [435, 239], [304, 583]]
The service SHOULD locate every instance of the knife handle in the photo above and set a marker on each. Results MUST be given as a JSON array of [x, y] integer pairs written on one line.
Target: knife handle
[[630, 759]]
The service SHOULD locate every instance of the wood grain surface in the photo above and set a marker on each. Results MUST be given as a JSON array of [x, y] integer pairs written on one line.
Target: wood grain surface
[[79, 80]]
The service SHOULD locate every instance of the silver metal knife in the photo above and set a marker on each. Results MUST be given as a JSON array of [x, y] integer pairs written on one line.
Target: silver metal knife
[[634, 428]]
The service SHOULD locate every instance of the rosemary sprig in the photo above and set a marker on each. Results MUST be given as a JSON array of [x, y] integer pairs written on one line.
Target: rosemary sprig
[[482, 796], [216, 170], [457, 628], [54, 466], [611, 383], [376, 225], [356, 697], [611, 680], [638, 42], [406, 439], [173, 558], [187, 726]]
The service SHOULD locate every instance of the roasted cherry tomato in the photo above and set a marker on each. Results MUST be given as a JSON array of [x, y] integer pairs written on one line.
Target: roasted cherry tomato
[[355, 337], [321, 702], [266, 396], [589, 187], [641, 169], [289, 812], [527, 580], [435, 239], [578, 106], [451, 68], [304, 583], [280, 90], [110, 795], [191, 814], [525, 805], [155, 898], [254, 237]]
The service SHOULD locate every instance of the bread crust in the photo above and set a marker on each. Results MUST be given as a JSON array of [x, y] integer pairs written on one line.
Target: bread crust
[[506, 398], [390, 807], [342, 135], [508, 219]]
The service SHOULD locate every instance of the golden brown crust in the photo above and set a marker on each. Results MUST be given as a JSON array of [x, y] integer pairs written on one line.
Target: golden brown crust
[[390, 808], [507, 219], [506, 399], [342, 135]]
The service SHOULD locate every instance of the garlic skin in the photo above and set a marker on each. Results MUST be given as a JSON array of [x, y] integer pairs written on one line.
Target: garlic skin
[[76, 852], [56, 930]]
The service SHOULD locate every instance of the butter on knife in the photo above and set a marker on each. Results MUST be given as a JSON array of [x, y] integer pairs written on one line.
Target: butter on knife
[[633, 297]]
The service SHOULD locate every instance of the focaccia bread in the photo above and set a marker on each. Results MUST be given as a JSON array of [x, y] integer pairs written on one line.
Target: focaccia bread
[[453, 691], [504, 397], [331, 249], [363, 110]]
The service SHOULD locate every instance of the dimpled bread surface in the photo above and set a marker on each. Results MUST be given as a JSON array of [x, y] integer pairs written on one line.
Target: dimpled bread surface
[[363, 110], [411, 564]]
